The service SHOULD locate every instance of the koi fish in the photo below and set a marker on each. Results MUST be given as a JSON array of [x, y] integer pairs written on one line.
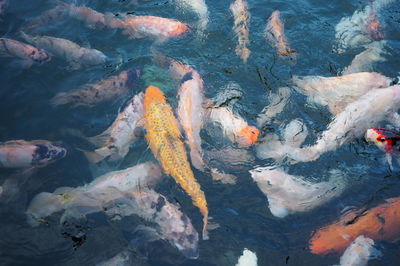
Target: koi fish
[[156, 28], [100, 191], [165, 142], [278, 102], [234, 126], [199, 7], [338, 92], [116, 140], [28, 54], [373, 107], [3, 7], [386, 140], [360, 251], [26, 154], [379, 223], [241, 18], [190, 106], [172, 224], [363, 62], [275, 35], [71, 52], [288, 194], [361, 28], [90, 95]]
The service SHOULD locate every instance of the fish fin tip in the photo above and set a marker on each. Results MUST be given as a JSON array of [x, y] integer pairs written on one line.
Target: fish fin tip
[[93, 156]]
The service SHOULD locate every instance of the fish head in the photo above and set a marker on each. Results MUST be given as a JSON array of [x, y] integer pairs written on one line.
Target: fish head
[[247, 136], [47, 153], [39, 56], [385, 139], [179, 30]]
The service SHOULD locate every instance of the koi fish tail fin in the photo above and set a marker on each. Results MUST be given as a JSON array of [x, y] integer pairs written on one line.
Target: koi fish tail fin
[[42, 206], [205, 232]]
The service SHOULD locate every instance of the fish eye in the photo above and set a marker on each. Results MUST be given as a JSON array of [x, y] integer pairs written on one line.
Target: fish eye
[[381, 139]]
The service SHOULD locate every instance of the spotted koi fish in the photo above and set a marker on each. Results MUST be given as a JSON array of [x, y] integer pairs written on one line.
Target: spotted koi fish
[[28, 54], [165, 142], [26, 154], [386, 140], [241, 18]]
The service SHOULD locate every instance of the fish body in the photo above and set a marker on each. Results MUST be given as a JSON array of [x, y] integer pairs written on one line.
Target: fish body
[[26, 154], [90, 95], [241, 24], [360, 251], [3, 8], [379, 223], [275, 34], [172, 224], [165, 142], [198, 7], [364, 61], [116, 140], [190, 106], [337, 92], [156, 28], [375, 106], [76, 55], [288, 194], [27, 53], [234, 126], [101, 190]]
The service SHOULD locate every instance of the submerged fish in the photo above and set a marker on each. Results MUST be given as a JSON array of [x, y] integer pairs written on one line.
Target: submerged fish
[[386, 140], [112, 88], [234, 126], [337, 92], [165, 142], [172, 224], [90, 198], [28, 54], [199, 7], [365, 60], [190, 106], [241, 24], [360, 251], [368, 111], [361, 28], [26, 154], [379, 223], [116, 140], [71, 52], [3, 7], [156, 28], [288, 194], [275, 35], [278, 102]]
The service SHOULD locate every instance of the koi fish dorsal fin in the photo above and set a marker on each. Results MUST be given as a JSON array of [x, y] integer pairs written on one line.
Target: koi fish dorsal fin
[[153, 95]]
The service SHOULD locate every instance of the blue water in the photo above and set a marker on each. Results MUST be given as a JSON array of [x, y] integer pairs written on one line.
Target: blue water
[[241, 210]]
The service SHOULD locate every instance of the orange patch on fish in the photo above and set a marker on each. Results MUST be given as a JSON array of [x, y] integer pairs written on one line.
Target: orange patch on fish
[[247, 136], [379, 223]]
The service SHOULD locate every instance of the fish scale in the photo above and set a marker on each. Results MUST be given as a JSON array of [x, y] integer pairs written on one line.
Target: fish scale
[[165, 142]]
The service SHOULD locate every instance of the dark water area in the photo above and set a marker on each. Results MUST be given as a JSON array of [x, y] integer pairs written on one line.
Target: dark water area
[[240, 210]]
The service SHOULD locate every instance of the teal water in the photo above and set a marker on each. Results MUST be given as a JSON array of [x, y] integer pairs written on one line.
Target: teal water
[[241, 210]]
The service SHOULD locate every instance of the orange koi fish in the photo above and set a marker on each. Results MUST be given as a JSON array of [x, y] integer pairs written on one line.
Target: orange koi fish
[[274, 32], [165, 142], [379, 223], [241, 27]]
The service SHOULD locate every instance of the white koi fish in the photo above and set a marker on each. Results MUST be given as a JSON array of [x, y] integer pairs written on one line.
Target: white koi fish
[[359, 252], [115, 141]]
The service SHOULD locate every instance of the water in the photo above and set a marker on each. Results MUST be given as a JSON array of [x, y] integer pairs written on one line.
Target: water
[[241, 210]]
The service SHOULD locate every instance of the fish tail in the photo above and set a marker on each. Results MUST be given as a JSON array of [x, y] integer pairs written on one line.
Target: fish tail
[[205, 223], [60, 99], [97, 155]]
